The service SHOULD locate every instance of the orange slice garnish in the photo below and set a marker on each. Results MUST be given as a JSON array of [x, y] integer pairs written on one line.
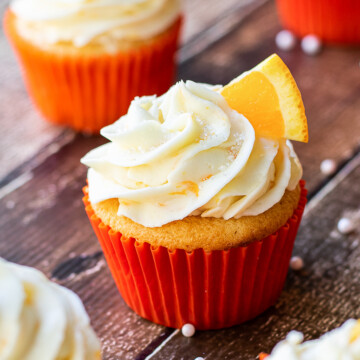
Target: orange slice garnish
[[269, 98]]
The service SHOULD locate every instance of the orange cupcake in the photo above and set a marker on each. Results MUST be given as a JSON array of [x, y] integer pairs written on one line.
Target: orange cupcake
[[195, 207], [333, 21], [83, 62]]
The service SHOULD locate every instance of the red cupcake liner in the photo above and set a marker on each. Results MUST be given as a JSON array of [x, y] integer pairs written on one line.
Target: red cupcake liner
[[335, 21], [89, 92], [209, 289]]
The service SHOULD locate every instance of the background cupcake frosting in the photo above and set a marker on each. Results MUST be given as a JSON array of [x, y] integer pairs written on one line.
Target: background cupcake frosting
[[80, 21], [42, 320], [339, 344], [188, 153]]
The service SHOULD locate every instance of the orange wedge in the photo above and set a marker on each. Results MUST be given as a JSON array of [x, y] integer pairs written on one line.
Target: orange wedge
[[269, 98]]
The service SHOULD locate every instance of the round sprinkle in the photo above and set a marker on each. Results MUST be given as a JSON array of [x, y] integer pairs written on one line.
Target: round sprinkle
[[188, 330], [296, 263], [294, 337], [311, 45], [199, 358], [10, 204], [345, 226], [285, 40], [328, 166]]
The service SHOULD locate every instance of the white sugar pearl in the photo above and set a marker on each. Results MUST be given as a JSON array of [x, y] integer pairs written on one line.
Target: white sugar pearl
[[296, 263], [311, 44], [294, 337], [285, 40], [328, 166], [199, 358], [188, 330], [10, 204], [345, 226]]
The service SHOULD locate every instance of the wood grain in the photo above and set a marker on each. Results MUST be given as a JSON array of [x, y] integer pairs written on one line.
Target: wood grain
[[43, 224]]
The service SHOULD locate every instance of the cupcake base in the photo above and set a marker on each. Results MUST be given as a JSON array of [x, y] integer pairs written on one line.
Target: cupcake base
[[88, 91], [210, 290]]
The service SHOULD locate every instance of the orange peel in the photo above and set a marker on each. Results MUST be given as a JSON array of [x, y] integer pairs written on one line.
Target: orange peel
[[269, 98]]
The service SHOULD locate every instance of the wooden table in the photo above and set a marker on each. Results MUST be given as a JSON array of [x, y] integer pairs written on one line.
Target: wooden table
[[43, 223]]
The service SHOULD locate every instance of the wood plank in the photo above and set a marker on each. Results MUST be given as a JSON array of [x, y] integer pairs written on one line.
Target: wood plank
[[316, 299], [208, 21], [330, 94]]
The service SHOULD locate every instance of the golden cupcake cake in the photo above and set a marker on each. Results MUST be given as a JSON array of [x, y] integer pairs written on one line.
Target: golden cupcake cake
[[84, 61], [42, 320], [196, 202]]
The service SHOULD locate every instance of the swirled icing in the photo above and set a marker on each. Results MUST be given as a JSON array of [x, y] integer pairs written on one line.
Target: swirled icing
[[188, 153]]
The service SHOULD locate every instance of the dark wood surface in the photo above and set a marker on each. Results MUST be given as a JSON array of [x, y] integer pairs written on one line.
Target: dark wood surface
[[43, 223]]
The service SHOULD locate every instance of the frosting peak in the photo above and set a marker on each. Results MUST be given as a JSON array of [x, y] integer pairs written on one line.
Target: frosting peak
[[79, 21], [188, 153], [339, 344]]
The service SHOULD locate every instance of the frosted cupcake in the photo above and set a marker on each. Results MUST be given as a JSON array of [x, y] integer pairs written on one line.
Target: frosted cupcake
[[83, 62], [196, 211], [339, 344], [42, 320]]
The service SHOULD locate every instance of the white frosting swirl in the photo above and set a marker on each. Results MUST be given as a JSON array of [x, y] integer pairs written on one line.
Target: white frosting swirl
[[79, 21], [188, 153], [340, 344], [42, 320]]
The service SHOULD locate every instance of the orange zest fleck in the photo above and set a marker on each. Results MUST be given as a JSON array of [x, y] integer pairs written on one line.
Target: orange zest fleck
[[189, 186]]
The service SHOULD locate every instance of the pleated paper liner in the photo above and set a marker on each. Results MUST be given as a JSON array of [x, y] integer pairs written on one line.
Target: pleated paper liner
[[209, 289], [91, 91], [334, 21]]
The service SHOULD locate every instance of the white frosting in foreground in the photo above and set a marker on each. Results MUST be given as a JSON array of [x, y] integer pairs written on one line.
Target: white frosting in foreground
[[40, 320], [79, 21], [187, 153], [340, 344]]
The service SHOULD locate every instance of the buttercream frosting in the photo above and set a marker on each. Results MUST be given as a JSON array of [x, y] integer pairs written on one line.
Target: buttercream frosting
[[42, 320], [342, 343], [188, 153], [79, 21]]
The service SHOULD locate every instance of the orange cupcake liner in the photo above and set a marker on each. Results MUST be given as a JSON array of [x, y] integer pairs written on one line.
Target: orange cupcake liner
[[91, 91], [209, 289], [334, 21]]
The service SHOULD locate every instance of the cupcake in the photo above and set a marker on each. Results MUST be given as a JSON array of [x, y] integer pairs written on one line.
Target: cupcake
[[84, 61], [334, 21], [42, 320], [196, 210], [341, 343]]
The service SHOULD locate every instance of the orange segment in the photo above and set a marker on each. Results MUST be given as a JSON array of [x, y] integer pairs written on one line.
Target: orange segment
[[269, 98]]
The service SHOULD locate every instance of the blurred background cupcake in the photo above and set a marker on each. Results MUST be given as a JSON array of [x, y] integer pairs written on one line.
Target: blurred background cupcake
[[332, 21], [83, 62]]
